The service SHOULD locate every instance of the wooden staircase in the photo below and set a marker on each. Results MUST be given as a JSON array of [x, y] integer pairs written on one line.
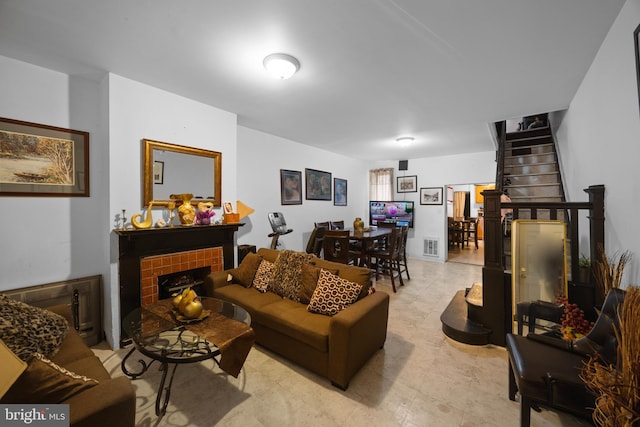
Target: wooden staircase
[[528, 172], [530, 168]]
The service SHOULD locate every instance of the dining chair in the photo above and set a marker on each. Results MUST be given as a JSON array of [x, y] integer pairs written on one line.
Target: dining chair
[[324, 225], [314, 245], [335, 248], [470, 232], [337, 225], [403, 250], [387, 259]]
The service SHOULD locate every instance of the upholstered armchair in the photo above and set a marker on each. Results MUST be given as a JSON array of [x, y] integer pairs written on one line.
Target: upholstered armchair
[[545, 370]]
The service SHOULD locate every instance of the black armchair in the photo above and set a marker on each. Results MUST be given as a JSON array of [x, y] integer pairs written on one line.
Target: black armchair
[[546, 370]]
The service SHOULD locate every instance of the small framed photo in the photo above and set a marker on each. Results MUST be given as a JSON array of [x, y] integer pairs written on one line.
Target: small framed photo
[[158, 172], [408, 184], [318, 184], [339, 192], [431, 196], [290, 187], [228, 208]]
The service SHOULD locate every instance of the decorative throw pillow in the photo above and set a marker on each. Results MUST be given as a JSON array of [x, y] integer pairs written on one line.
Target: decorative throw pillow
[[309, 281], [27, 330], [46, 382], [333, 294], [246, 271], [287, 270], [263, 276]]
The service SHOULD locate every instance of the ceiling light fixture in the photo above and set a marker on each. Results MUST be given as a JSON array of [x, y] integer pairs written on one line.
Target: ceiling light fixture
[[281, 65], [404, 140]]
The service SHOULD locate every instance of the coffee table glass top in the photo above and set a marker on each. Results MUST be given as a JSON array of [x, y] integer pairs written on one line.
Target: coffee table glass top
[[161, 334]]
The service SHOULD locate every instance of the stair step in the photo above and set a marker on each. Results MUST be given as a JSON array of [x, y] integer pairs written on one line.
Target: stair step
[[528, 159], [537, 141], [529, 169], [532, 179], [540, 190], [457, 326], [528, 133], [535, 199], [474, 295]]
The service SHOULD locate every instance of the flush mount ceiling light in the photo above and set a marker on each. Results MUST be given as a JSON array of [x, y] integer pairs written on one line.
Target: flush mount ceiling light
[[405, 140], [281, 65]]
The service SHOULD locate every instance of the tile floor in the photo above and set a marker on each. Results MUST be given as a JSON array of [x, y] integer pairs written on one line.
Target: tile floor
[[420, 378]]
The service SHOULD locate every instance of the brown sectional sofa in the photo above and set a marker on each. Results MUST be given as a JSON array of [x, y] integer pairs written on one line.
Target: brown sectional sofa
[[110, 402], [335, 347]]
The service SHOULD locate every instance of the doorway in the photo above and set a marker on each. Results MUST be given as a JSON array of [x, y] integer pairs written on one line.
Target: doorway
[[465, 203]]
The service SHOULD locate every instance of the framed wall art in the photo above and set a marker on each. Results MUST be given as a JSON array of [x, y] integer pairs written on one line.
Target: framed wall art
[[41, 160], [431, 196], [290, 187], [158, 172], [407, 184], [339, 192], [318, 184]]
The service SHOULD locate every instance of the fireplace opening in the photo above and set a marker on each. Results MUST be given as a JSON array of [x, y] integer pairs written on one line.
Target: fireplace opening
[[173, 283]]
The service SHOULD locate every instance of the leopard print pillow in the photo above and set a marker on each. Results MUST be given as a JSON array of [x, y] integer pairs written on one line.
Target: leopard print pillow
[[27, 330]]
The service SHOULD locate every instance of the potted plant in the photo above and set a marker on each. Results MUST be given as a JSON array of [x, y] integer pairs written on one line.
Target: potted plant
[[584, 271]]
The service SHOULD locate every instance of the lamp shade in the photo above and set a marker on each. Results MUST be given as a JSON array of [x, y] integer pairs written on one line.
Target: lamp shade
[[281, 65]]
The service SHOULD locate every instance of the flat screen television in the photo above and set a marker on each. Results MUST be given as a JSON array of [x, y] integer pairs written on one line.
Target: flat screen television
[[399, 213]]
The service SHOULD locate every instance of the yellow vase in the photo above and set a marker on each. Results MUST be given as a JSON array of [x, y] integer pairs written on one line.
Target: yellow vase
[[358, 225], [186, 211]]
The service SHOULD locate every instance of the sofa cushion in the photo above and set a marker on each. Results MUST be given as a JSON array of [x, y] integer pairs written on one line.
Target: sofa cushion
[[248, 298], [309, 281], [292, 319], [46, 382], [263, 276], [246, 271], [27, 330], [287, 271], [333, 294]]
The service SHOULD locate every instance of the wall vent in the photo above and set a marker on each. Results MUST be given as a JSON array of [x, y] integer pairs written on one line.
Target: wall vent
[[430, 247]]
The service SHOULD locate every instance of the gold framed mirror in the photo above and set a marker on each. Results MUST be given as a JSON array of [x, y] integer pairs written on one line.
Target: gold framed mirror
[[174, 169]]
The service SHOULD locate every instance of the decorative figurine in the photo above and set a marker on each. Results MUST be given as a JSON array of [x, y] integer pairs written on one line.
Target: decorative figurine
[[204, 213], [148, 221], [186, 211]]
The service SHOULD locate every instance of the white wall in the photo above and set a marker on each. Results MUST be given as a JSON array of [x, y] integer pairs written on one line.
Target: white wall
[[258, 179], [137, 111], [47, 239], [599, 138], [431, 220]]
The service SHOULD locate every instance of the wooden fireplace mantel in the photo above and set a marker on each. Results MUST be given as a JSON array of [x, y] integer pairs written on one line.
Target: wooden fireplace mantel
[[135, 244]]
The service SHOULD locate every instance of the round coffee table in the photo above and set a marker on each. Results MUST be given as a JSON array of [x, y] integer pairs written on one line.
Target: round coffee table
[[159, 334]]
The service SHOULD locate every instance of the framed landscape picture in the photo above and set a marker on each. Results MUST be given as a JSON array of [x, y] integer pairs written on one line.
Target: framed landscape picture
[[339, 192], [431, 196], [41, 160], [318, 184], [290, 187], [407, 184]]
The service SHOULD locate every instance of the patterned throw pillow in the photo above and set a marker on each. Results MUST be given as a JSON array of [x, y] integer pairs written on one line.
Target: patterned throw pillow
[[46, 382], [27, 330], [263, 276], [287, 270], [246, 271], [333, 294], [309, 281]]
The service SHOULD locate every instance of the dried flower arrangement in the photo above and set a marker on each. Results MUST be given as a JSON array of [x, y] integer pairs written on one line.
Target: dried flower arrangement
[[608, 271], [618, 387]]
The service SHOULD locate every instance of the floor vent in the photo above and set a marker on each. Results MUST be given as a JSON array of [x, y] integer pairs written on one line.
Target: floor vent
[[430, 247]]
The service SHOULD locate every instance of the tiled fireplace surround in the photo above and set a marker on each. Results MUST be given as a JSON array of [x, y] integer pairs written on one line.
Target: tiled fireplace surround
[[152, 267], [143, 255]]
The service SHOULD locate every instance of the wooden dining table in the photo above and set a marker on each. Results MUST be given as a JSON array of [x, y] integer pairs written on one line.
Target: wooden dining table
[[365, 241]]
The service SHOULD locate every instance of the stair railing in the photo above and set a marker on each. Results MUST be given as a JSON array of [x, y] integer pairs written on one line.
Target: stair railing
[[497, 279]]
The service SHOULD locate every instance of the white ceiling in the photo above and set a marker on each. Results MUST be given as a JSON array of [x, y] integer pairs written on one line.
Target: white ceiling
[[371, 70]]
